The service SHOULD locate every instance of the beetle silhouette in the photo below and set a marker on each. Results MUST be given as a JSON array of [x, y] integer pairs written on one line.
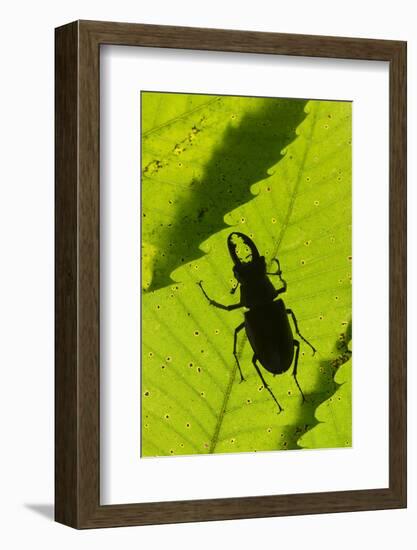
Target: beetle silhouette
[[266, 319]]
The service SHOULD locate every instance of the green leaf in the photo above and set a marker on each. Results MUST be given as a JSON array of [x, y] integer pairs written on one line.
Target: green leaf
[[295, 205], [335, 414], [200, 155]]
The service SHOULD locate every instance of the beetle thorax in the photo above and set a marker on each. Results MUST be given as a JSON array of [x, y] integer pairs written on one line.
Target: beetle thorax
[[250, 271], [255, 286]]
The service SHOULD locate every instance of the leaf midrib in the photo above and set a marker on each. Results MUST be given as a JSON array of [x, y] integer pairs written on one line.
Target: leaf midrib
[[290, 208], [297, 184]]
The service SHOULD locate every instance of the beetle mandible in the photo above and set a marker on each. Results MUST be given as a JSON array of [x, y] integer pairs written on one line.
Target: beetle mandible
[[266, 319]]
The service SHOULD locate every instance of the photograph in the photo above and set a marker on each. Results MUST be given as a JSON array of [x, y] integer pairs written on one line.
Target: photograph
[[230, 270], [246, 263], [208, 262]]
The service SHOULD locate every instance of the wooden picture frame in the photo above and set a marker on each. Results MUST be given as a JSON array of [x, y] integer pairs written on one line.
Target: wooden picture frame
[[77, 406]]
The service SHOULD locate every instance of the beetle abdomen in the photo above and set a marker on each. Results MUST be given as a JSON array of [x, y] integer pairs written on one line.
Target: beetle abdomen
[[270, 336]]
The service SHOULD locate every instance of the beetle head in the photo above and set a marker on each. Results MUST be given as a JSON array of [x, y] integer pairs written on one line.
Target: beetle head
[[245, 265]]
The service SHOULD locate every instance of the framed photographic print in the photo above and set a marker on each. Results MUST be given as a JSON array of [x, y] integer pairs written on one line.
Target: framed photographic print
[[230, 274]]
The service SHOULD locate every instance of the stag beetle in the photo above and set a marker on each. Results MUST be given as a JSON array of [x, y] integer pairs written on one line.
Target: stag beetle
[[266, 319]]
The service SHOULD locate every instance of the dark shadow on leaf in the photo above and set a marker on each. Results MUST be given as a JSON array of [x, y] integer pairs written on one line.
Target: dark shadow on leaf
[[325, 388], [242, 158]]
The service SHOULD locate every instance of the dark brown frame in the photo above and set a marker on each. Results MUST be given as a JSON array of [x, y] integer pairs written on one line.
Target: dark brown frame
[[77, 274]]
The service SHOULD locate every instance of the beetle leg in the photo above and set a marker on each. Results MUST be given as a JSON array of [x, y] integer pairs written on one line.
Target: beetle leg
[[290, 312], [279, 273], [265, 384], [294, 370], [238, 329], [216, 304]]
